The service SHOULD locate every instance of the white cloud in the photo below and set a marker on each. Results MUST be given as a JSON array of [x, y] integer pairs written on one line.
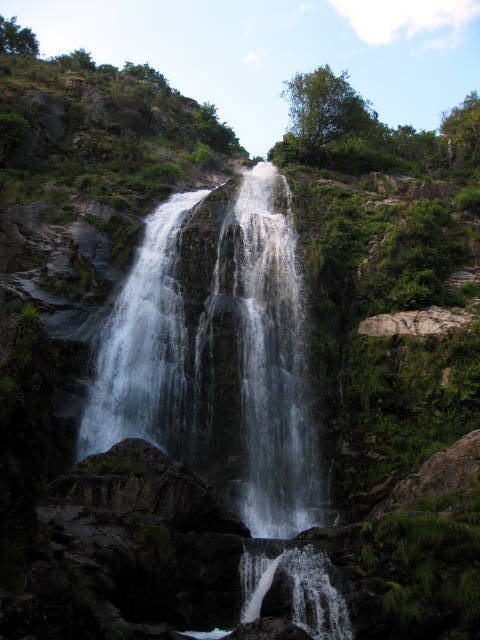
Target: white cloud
[[383, 21], [254, 56]]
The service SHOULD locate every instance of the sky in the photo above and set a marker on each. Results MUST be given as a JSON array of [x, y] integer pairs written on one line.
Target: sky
[[413, 59]]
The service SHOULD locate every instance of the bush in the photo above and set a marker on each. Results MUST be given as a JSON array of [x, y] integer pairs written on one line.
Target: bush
[[13, 131], [29, 311], [202, 156], [168, 171], [470, 289], [468, 199]]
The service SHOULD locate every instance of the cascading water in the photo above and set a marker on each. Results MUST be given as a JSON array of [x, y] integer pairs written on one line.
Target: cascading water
[[317, 606], [139, 387], [140, 383], [282, 483]]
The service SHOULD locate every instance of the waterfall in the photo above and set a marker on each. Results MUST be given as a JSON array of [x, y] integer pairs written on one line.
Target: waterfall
[[256, 575], [139, 386], [316, 605], [282, 488]]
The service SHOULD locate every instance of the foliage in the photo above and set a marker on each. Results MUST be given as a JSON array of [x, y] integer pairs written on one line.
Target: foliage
[[119, 465], [462, 127], [26, 393], [202, 156], [29, 311], [324, 107], [13, 131], [402, 404], [148, 74], [468, 199], [125, 149], [15, 40], [411, 262], [436, 565], [211, 132], [78, 60], [333, 127]]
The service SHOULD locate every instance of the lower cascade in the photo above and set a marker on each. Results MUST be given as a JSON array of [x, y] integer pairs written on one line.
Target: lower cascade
[[316, 605]]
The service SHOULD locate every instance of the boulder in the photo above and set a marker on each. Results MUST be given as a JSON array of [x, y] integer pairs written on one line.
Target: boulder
[[269, 629], [49, 121], [132, 542], [431, 321], [136, 477], [456, 469]]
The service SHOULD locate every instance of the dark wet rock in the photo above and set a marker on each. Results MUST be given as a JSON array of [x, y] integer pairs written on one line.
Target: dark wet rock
[[133, 543], [278, 600], [215, 320], [48, 111], [269, 629], [136, 477]]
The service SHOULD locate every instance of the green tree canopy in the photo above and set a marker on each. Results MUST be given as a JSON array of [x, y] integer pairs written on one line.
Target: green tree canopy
[[78, 60], [462, 127], [218, 135], [324, 107], [145, 72], [15, 40]]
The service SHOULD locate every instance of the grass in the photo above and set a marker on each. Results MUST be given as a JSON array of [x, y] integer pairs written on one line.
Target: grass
[[429, 559], [121, 465]]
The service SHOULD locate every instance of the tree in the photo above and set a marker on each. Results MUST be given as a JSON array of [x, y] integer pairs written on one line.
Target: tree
[[217, 135], [78, 60], [324, 107], [17, 41], [147, 73], [462, 128], [13, 131]]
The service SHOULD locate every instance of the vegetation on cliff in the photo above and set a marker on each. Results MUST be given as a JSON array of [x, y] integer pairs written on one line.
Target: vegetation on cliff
[[333, 127], [379, 244], [124, 137]]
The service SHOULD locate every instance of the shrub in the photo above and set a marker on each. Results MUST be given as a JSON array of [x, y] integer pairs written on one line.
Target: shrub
[[29, 311], [470, 289], [468, 199], [202, 156], [168, 171], [13, 131]]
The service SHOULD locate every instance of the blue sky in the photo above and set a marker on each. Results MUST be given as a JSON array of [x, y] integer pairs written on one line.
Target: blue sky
[[412, 58]]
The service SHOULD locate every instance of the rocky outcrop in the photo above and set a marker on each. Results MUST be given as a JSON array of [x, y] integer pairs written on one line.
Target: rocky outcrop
[[48, 111], [212, 326], [431, 321], [406, 186], [135, 477], [131, 542], [269, 629], [470, 276], [455, 470]]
